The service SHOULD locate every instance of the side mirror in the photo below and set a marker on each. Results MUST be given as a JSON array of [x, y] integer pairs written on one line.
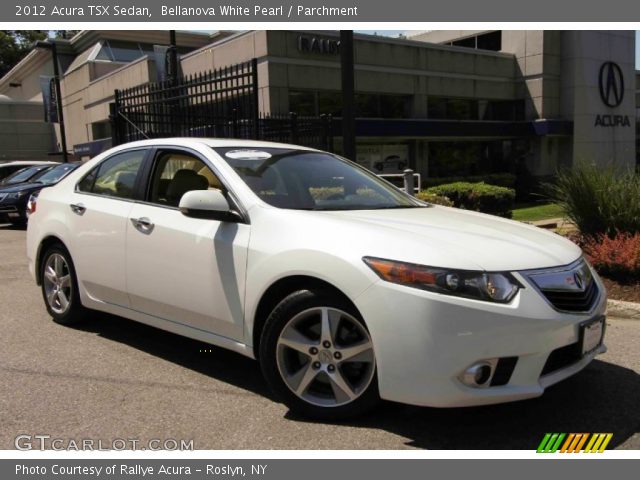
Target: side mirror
[[207, 204]]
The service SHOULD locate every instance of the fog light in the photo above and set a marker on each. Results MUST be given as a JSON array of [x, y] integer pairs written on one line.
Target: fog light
[[478, 374]]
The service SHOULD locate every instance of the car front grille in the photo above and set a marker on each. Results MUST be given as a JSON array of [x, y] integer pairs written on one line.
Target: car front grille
[[8, 209], [571, 288], [573, 301], [2, 196]]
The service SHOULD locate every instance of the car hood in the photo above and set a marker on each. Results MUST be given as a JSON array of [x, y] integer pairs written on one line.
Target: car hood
[[455, 238], [19, 187]]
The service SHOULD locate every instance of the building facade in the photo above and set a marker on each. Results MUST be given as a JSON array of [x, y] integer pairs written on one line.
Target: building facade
[[445, 103]]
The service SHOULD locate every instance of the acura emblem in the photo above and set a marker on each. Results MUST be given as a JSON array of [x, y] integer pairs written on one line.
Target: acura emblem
[[611, 84]]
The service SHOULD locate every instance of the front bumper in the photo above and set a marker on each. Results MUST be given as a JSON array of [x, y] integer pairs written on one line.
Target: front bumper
[[12, 212], [424, 341]]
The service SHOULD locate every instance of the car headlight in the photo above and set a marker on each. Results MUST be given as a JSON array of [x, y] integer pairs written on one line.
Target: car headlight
[[498, 287], [16, 195]]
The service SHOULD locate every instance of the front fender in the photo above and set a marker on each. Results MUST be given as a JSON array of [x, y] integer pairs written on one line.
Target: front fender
[[347, 275]]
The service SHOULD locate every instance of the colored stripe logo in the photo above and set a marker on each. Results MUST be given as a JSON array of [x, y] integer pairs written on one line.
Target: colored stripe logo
[[574, 442]]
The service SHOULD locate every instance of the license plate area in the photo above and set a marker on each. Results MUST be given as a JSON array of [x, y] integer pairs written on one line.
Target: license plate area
[[591, 335]]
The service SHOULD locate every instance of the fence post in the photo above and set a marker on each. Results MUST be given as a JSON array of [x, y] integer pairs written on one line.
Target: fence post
[[324, 140], [234, 123], [293, 117], [255, 112], [408, 181], [114, 108]]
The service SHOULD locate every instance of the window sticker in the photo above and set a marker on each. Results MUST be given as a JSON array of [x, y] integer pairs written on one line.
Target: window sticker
[[247, 155]]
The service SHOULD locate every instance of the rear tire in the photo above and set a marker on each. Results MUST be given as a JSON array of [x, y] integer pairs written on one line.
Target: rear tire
[[317, 356], [60, 286]]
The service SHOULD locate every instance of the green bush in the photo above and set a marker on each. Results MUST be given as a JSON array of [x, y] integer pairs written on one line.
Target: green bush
[[433, 198], [500, 179], [600, 201], [480, 197]]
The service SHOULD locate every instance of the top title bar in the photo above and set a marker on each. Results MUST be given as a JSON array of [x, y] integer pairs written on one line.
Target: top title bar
[[319, 11]]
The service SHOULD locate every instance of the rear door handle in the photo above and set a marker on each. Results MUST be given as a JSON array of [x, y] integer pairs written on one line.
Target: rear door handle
[[78, 208], [143, 224]]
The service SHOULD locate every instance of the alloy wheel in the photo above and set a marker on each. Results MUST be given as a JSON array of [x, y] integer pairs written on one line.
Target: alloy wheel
[[57, 283], [325, 356]]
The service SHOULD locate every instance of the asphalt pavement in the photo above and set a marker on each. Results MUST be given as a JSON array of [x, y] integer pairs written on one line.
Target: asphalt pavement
[[112, 378]]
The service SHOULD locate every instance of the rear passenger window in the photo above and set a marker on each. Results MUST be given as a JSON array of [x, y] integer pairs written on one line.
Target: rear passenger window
[[115, 177]]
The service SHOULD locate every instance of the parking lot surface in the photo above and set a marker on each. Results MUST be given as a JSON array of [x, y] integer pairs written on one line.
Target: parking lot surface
[[112, 378]]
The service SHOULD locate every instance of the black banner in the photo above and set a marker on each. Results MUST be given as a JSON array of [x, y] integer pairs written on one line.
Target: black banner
[[49, 98]]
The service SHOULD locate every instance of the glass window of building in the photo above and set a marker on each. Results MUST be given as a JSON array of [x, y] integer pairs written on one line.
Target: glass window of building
[[486, 41], [490, 41], [368, 105], [303, 102], [465, 42], [330, 103], [467, 158], [452, 108]]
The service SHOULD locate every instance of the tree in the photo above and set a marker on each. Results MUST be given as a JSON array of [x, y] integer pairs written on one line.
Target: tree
[[15, 45], [65, 34]]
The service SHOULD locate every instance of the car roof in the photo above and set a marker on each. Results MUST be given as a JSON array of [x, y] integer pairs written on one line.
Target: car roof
[[213, 142], [26, 163]]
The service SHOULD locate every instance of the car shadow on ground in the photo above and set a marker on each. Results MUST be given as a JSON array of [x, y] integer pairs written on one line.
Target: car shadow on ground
[[602, 398], [11, 226], [219, 363]]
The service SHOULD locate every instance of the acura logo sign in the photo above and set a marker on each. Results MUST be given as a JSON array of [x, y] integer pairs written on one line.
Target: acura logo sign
[[611, 84]]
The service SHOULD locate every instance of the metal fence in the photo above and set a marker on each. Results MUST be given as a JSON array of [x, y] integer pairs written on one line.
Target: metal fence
[[316, 132], [222, 103]]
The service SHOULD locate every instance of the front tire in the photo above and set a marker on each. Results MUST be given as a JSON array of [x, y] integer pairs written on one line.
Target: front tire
[[317, 356], [60, 286]]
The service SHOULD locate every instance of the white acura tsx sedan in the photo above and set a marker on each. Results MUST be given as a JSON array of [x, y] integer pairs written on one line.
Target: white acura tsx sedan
[[344, 288]]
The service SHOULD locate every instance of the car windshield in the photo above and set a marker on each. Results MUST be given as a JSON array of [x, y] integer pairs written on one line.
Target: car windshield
[[23, 174], [308, 180], [55, 174]]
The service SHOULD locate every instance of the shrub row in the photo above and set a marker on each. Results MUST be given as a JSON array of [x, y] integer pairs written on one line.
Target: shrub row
[[599, 200], [500, 179], [480, 197], [433, 198]]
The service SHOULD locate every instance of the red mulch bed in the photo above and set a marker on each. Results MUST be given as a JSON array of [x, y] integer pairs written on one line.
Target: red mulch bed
[[629, 292]]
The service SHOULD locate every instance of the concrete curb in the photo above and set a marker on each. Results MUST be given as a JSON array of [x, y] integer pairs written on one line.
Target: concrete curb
[[621, 309]]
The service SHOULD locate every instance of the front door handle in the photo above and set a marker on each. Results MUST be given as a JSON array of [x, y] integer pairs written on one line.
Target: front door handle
[[143, 224], [78, 208]]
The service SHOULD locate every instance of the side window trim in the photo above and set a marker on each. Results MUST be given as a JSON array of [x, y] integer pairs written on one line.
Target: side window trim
[[145, 175], [97, 168]]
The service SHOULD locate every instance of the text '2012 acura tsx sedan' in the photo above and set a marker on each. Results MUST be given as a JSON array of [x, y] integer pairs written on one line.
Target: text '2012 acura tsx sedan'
[[344, 288]]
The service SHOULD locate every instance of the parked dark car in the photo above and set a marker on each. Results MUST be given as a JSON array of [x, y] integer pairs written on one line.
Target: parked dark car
[[14, 198], [7, 167], [24, 174]]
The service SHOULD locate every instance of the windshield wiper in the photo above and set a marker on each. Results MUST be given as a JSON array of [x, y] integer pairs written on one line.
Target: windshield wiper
[[390, 207]]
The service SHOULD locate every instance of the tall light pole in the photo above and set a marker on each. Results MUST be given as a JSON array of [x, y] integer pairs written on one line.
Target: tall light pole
[[174, 56], [46, 45], [348, 95]]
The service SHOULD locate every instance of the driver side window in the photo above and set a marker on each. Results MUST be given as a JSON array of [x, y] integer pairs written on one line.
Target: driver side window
[[176, 173]]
